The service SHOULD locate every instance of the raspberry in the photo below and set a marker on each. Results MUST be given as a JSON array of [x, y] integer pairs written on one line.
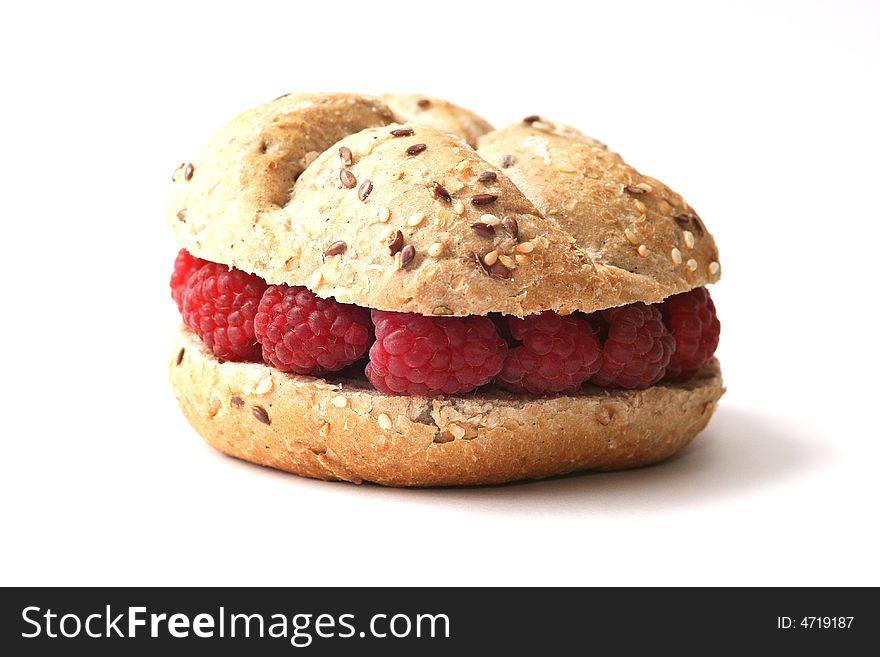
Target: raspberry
[[557, 354], [185, 265], [428, 356], [303, 333], [692, 320], [636, 346], [219, 305]]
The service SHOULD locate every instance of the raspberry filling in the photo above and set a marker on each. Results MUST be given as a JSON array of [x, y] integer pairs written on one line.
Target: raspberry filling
[[241, 318]]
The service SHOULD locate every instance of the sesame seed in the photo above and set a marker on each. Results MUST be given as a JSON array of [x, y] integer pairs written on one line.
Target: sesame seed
[[487, 177], [510, 225], [424, 103], [365, 189], [714, 268], [531, 119], [403, 132], [489, 220], [484, 230], [507, 161], [396, 243], [264, 386], [436, 249], [188, 172], [347, 179], [415, 149], [441, 193], [635, 190], [645, 187], [630, 236], [324, 430], [384, 421], [315, 279], [643, 250], [483, 199], [339, 401], [406, 255], [398, 261], [346, 155], [260, 413], [688, 239], [692, 264], [456, 431], [664, 207], [364, 146], [490, 258], [641, 207], [522, 258], [336, 248], [442, 310], [384, 215], [507, 261], [458, 208], [676, 256], [415, 219], [525, 247]]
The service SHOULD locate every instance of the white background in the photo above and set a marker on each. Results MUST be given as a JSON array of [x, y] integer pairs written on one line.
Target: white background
[[764, 115]]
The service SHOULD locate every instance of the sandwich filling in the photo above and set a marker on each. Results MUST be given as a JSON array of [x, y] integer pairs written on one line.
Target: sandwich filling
[[239, 317]]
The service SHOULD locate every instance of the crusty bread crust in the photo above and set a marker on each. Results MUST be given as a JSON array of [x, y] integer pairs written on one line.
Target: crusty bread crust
[[645, 239], [345, 430], [572, 227], [439, 113]]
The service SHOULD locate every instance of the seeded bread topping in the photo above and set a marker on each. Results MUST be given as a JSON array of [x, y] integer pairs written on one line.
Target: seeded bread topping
[[275, 189], [643, 237], [437, 113]]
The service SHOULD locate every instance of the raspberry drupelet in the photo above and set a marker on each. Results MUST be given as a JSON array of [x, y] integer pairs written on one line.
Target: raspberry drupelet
[[429, 356], [301, 332]]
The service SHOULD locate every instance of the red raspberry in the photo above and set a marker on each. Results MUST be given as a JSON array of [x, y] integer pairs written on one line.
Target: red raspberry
[[219, 305], [185, 265], [418, 355], [692, 320], [557, 354], [636, 346], [303, 333]]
